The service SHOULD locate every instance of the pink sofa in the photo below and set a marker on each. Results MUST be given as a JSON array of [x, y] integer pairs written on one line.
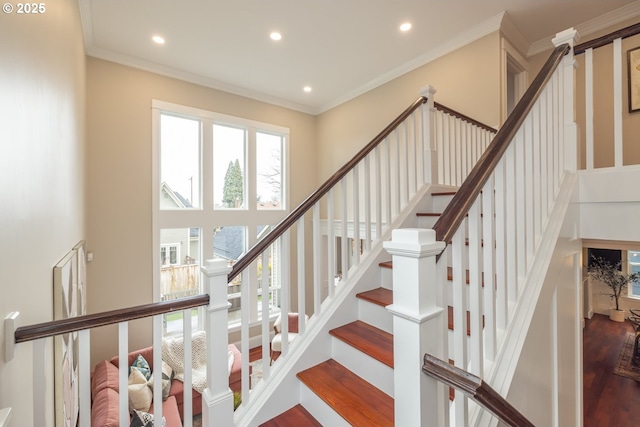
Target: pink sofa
[[104, 390]]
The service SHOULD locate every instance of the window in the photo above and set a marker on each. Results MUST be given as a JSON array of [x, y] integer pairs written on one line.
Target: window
[[634, 267], [219, 183], [169, 254]]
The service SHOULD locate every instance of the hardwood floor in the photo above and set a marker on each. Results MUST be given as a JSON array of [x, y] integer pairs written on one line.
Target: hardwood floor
[[609, 400]]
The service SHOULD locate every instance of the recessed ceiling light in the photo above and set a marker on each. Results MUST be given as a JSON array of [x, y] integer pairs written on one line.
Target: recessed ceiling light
[[275, 36], [307, 88], [405, 27], [158, 39]]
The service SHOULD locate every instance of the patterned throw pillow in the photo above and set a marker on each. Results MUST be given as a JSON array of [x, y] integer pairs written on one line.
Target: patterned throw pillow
[[141, 365], [167, 377], [143, 419]]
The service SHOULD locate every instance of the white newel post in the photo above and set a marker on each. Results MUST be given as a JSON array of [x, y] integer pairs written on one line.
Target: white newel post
[[418, 326], [569, 65], [217, 399], [430, 155]]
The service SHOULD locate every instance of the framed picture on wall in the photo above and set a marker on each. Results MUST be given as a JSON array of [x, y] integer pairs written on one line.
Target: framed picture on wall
[[633, 62], [69, 281]]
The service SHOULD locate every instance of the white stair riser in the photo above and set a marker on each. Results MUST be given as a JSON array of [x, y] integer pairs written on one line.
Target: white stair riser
[[386, 277], [319, 409], [440, 202], [427, 221], [375, 315], [376, 373]]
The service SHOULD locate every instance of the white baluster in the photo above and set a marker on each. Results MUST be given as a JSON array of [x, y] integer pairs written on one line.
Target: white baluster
[[84, 367], [379, 196], [187, 408], [459, 303], [367, 203], [331, 245], [344, 234], [356, 215], [157, 361], [317, 259], [588, 90], [266, 337], [488, 260], [475, 289], [500, 250], [123, 373], [432, 144], [617, 102], [301, 277]]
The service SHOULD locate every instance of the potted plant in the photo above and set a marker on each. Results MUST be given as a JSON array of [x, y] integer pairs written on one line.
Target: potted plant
[[612, 275]]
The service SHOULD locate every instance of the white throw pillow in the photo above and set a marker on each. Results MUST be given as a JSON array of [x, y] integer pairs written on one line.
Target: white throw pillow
[[140, 395]]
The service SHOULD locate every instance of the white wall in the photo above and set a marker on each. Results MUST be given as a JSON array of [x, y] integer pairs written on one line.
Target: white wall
[[467, 80], [610, 204], [548, 375], [42, 91]]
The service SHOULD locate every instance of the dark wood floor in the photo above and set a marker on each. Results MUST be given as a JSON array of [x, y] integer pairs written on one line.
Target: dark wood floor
[[609, 400]]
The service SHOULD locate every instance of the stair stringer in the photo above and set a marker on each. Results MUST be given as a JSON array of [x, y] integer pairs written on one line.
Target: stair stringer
[[283, 390], [503, 369]]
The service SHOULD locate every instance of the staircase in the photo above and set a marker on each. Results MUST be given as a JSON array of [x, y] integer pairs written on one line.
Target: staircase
[[355, 387]]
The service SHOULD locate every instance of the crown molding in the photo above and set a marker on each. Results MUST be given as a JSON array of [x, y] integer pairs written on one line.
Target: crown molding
[[487, 27], [514, 36], [87, 22], [163, 70], [592, 26]]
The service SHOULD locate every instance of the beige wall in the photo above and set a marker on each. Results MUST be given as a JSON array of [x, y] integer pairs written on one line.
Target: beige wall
[[42, 87], [119, 179], [467, 80], [603, 101]]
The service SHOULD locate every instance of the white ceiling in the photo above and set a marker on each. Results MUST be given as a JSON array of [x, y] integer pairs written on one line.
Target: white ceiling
[[341, 48]]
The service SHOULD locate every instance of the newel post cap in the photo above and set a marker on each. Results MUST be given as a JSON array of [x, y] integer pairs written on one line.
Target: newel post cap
[[414, 243], [569, 36], [216, 267], [428, 91]]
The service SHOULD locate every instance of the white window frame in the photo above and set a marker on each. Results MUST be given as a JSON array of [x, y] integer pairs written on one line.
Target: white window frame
[[206, 217]]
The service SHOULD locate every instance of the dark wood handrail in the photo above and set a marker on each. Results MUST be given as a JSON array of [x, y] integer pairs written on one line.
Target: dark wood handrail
[[629, 31], [64, 326], [475, 388], [455, 212], [310, 201], [461, 116]]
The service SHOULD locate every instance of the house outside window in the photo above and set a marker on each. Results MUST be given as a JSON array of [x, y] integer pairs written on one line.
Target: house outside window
[[220, 184]]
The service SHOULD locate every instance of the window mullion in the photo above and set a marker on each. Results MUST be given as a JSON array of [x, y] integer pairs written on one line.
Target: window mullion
[[250, 181]]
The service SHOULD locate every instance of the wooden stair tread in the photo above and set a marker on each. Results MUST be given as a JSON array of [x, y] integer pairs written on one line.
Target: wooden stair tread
[[380, 296], [368, 339], [386, 264], [294, 417], [444, 193], [354, 399], [428, 214]]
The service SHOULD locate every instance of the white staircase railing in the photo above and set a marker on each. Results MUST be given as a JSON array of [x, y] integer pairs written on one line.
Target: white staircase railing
[[492, 229]]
